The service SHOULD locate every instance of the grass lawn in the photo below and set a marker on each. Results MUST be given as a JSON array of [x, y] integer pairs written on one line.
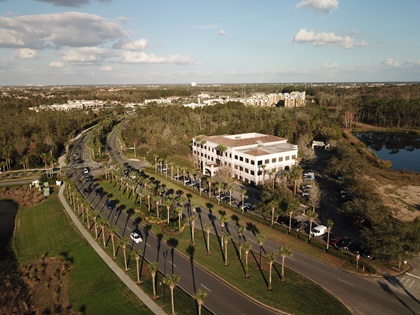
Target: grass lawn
[[296, 295], [93, 287]]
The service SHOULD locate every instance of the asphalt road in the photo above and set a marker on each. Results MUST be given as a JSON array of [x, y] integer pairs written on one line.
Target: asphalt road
[[365, 295]]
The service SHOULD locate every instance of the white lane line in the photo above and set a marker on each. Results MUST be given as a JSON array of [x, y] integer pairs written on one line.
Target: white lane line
[[291, 258], [205, 287], [172, 263], [148, 244], [128, 228], [345, 282], [410, 274], [251, 240]]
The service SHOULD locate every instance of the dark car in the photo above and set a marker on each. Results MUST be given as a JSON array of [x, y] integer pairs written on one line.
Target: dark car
[[367, 252], [334, 240], [356, 247], [111, 204], [344, 243], [88, 190]]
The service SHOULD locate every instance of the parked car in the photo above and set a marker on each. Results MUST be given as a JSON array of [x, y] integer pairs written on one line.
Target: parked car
[[136, 237], [334, 240], [367, 252], [110, 204], [344, 243], [356, 247], [300, 226]]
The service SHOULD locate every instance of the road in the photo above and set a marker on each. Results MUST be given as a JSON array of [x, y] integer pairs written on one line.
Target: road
[[221, 299], [365, 295]]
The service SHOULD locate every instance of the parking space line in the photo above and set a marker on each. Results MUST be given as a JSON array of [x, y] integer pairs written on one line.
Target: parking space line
[[410, 274]]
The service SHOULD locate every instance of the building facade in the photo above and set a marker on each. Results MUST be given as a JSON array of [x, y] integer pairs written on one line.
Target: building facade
[[251, 157]]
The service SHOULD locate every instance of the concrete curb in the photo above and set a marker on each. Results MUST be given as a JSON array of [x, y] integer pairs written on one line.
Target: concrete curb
[[156, 309]]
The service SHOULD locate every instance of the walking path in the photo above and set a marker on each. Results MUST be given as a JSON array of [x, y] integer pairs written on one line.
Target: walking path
[[156, 309]]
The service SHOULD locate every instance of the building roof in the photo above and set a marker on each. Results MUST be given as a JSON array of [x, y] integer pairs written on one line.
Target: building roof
[[240, 140]]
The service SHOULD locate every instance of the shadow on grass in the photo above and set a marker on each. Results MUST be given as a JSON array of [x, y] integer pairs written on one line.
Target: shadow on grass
[[260, 268]]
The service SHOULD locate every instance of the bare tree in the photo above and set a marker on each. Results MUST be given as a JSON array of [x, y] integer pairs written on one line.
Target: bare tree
[[314, 196]]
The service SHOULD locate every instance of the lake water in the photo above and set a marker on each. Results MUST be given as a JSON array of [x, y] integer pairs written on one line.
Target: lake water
[[8, 210], [402, 149]]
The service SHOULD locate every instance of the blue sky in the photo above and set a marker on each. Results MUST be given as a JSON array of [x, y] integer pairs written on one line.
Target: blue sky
[[44, 42]]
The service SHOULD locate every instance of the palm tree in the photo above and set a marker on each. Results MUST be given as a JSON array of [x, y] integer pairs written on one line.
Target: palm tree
[[137, 254], [124, 242], [112, 231], [223, 219], [272, 205], [243, 197], [296, 175], [200, 296], [156, 156], [158, 200], [102, 223], [179, 210], [312, 215], [219, 189], [240, 229], [207, 228], [330, 225], [263, 173], [261, 239], [226, 238], [247, 249], [172, 281], [284, 252], [153, 271], [229, 188], [192, 221], [271, 257], [221, 149], [94, 215], [168, 204]]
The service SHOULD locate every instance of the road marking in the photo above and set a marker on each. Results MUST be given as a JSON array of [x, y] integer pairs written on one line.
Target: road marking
[[410, 274], [345, 282], [411, 284], [172, 263], [251, 240], [205, 287], [148, 244], [128, 228]]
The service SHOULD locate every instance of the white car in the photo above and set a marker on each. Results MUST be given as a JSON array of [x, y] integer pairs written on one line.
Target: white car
[[136, 237]]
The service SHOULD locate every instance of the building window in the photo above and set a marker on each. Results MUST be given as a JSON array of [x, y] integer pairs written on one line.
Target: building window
[[252, 162], [241, 159], [241, 168], [267, 161], [287, 158], [252, 172], [274, 160], [293, 156], [281, 159], [236, 167], [230, 155], [246, 171], [246, 160], [236, 157], [259, 163]]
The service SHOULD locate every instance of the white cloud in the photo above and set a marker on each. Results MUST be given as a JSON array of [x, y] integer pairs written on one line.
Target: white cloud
[[390, 62], [88, 54], [141, 57], [25, 53], [222, 32], [326, 39], [56, 64], [322, 5], [70, 3], [72, 29], [106, 68], [132, 45], [329, 65]]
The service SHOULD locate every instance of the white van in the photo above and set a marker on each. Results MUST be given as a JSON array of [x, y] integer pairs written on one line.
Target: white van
[[319, 230]]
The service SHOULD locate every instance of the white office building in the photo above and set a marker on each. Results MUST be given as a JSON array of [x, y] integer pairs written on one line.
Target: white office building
[[250, 156]]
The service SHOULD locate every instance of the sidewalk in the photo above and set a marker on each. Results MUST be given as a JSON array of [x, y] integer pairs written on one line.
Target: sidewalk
[[156, 309]]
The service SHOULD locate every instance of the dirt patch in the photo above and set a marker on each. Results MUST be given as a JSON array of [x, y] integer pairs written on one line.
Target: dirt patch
[[404, 201], [39, 288], [23, 195]]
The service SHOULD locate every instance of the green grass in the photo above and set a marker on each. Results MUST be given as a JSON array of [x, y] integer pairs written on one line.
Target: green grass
[[296, 295], [93, 287]]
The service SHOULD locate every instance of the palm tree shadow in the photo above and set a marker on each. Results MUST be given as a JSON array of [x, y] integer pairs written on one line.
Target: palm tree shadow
[[173, 243], [237, 255], [384, 286], [396, 282], [260, 268], [190, 252], [252, 228]]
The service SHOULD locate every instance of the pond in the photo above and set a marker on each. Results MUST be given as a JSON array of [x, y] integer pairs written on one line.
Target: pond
[[8, 210], [402, 149]]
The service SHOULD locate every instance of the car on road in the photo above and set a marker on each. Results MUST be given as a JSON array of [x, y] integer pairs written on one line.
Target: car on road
[[136, 237]]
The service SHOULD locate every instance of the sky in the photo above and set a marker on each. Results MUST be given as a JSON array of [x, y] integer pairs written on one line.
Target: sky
[[96, 42]]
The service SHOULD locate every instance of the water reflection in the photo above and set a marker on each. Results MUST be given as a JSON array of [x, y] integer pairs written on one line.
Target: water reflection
[[402, 149]]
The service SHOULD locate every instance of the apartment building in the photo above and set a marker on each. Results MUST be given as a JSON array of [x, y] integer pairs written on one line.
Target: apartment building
[[252, 157]]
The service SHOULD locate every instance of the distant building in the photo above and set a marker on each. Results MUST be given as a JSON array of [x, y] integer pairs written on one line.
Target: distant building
[[252, 157]]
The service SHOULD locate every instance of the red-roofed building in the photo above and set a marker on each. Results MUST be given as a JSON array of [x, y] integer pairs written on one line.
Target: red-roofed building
[[249, 155]]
